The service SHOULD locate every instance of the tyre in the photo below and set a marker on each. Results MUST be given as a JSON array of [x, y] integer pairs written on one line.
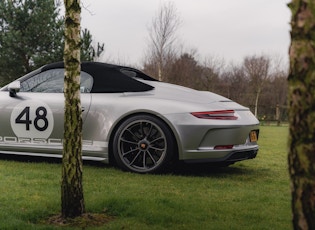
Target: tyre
[[143, 144]]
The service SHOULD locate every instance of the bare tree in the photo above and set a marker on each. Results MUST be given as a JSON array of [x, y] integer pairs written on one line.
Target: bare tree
[[72, 201], [211, 70], [302, 114], [185, 71], [163, 36], [236, 82], [257, 69]]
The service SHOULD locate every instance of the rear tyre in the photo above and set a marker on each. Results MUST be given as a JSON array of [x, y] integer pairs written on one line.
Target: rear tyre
[[143, 144]]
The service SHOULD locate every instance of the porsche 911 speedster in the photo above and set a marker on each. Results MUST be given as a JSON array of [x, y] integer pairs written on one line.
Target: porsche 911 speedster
[[129, 118]]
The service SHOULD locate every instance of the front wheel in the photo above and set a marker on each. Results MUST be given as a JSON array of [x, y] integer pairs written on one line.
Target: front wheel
[[143, 144]]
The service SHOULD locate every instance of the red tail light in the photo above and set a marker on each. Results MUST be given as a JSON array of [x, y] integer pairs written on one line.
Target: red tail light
[[216, 115], [223, 147]]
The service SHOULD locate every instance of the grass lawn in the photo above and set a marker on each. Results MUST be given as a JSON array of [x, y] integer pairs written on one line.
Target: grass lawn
[[253, 194]]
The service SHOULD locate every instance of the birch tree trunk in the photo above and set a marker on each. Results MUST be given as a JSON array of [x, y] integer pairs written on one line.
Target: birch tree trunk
[[72, 200], [256, 102], [163, 36], [302, 113]]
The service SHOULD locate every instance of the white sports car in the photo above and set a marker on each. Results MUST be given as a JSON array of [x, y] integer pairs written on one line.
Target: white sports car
[[128, 118]]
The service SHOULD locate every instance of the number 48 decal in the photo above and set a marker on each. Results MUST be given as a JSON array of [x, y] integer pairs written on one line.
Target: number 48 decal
[[32, 119], [24, 118]]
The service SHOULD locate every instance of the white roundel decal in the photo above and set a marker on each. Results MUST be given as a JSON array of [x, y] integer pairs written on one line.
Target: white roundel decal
[[32, 119]]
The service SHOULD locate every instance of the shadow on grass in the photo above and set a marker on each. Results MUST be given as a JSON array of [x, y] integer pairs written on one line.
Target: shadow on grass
[[22, 158], [209, 170], [179, 169], [38, 159]]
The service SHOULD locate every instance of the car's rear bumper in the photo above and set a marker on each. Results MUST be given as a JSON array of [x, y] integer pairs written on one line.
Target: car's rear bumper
[[230, 156], [203, 140]]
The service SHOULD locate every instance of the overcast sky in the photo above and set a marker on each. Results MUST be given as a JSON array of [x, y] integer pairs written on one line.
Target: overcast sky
[[227, 28]]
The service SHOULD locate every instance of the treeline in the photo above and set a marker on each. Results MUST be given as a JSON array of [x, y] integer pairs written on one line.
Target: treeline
[[259, 82]]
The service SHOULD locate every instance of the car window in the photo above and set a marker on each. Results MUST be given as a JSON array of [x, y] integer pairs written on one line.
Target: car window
[[52, 81]]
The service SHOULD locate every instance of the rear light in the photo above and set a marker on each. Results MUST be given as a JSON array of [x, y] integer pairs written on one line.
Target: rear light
[[223, 147], [216, 115]]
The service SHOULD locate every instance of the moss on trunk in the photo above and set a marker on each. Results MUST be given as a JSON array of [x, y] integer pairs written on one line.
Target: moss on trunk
[[302, 113], [72, 200]]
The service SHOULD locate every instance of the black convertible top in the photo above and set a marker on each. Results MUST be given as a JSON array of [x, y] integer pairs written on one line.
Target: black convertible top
[[110, 78]]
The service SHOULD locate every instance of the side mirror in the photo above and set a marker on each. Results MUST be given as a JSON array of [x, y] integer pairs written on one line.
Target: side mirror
[[14, 87]]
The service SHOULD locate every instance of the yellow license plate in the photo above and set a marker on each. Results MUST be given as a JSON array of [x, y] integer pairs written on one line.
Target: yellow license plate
[[253, 136]]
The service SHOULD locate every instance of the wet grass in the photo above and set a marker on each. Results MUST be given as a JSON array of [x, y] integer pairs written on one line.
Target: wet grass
[[253, 194]]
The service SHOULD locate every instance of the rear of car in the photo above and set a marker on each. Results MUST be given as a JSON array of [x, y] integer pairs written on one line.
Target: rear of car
[[209, 127]]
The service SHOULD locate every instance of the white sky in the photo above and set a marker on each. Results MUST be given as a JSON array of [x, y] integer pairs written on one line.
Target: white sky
[[231, 29]]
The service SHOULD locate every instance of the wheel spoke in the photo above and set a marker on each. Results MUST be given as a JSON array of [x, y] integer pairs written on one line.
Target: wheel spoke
[[128, 152], [159, 138], [133, 134], [135, 158], [149, 130], [156, 148], [129, 142], [141, 129], [152, 158], [153, 133], [143, 160]]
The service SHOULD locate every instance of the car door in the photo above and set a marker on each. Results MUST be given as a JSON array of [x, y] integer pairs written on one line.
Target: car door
[[32, 121]]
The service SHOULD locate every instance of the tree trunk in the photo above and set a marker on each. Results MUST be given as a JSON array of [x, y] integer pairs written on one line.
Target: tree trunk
[[302, 113], [72, 200], [256, 102], [160, 70]]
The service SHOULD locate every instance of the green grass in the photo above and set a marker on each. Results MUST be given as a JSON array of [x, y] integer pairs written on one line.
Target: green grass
[[253, 194]]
